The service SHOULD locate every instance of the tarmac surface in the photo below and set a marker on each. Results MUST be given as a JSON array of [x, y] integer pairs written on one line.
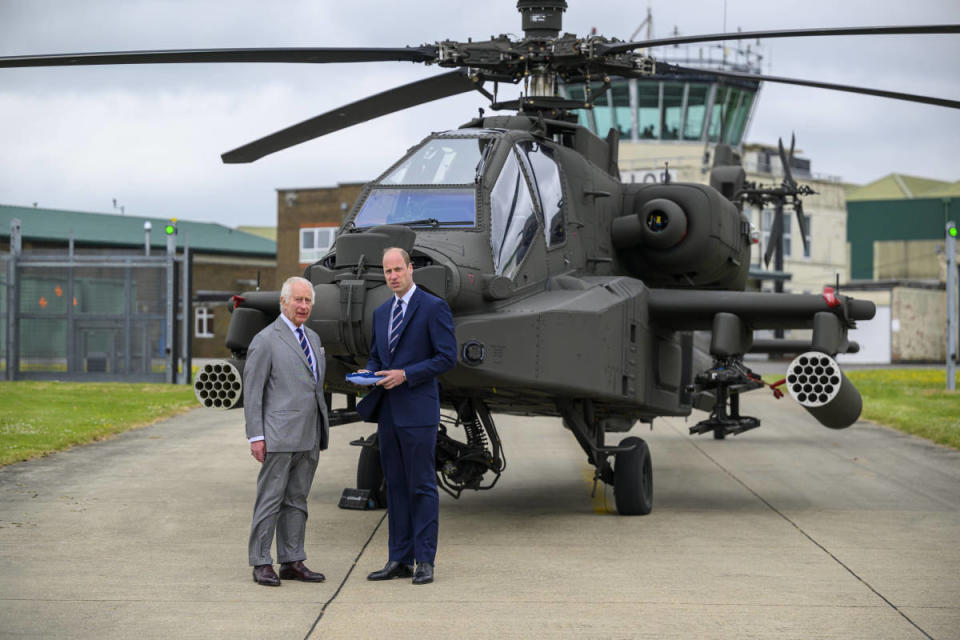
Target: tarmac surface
[[788, 531]]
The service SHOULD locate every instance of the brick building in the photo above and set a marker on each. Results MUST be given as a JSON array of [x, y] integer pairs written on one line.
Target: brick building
[[307, 222]]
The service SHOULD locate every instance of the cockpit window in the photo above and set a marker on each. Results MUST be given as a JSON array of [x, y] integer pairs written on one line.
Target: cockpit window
[[548, 187], [513, 219], [419, 207], [442, 161]]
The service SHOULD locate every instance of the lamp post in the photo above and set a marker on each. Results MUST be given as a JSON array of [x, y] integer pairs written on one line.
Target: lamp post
[[951, 247]]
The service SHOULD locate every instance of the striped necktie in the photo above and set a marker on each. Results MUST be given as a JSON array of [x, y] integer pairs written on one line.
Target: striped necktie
[[306, 351], [395, 325]]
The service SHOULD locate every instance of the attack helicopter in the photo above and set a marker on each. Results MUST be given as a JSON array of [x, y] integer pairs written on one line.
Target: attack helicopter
[[574, 294]]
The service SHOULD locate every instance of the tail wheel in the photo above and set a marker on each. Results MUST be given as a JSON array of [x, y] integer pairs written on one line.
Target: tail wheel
[[633, 479], [370, 474]]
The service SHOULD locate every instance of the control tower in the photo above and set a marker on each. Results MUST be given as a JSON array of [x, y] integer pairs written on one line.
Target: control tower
[[664, 119], [698, 109]]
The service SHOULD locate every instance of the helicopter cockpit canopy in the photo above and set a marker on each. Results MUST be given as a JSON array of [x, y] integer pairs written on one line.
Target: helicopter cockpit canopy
[[435, 185], [519, 207]]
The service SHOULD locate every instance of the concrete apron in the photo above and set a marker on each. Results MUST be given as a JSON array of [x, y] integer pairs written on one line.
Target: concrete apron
[[788, 531]]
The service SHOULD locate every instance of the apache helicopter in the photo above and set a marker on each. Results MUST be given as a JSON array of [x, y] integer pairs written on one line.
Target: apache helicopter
[[574, 294]]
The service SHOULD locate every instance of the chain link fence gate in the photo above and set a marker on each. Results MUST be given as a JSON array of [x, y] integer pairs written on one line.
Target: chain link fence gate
[[95, 315]]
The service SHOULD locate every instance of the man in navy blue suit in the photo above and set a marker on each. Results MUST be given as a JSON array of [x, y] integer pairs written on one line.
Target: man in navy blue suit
[[413, 342]]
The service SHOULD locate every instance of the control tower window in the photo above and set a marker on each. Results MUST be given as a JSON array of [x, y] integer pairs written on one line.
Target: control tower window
[[648, 113], [730, 110], [669, 109], [548, 188], [513, 220], [696, 111], [739, 120], [672, 110], [622, 120], [441, 161]]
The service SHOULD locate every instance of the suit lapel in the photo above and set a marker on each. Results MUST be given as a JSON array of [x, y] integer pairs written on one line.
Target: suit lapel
[[384, 339], [287, 337], [314, 348], [407, 315]]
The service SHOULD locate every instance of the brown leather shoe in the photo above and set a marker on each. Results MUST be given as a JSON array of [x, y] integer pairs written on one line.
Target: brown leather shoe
[[298, 571], [265, 575]]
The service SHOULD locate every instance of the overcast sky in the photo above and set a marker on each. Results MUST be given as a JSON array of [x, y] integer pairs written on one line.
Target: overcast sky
[[151, 136]]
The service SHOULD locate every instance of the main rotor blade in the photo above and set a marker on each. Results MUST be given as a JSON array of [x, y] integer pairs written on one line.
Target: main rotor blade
[[621, 47], [300, 54], [396, 99], [896, 95]]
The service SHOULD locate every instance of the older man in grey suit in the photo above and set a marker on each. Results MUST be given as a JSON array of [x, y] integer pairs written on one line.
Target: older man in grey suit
[[287, 428]]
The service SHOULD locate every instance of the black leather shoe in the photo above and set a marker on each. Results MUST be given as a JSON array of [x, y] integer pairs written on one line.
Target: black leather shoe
[[265, 575], [424, 574], [298, 571], [392, 570]]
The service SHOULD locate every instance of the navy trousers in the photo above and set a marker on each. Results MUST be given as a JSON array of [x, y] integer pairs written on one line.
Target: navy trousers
[[407, 455]]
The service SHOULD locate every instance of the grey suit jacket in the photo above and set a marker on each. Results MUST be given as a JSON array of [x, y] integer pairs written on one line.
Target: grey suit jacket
[[281, 401]]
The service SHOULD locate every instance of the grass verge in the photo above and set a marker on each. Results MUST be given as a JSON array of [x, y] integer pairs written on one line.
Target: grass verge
[[912, 400], [38, 418]]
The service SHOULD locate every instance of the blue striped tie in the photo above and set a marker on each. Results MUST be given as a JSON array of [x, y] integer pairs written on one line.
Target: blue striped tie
[[395, 325], [306, 351]]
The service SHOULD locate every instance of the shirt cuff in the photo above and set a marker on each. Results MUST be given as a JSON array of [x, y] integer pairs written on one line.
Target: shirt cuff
[[255, 439]]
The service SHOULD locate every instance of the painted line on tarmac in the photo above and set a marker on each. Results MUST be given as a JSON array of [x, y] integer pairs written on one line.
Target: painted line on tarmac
[[805, 534], [346, 577]]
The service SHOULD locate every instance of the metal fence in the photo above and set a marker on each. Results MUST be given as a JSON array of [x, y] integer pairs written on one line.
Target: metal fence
[[4, 262], [95, 315]]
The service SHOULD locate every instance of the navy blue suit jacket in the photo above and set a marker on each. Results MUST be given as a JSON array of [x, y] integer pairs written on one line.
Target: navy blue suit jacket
[[427, 347]]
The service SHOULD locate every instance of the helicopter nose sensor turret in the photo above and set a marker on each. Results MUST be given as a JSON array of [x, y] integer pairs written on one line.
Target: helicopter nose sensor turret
[[682, 235], [659, 224]]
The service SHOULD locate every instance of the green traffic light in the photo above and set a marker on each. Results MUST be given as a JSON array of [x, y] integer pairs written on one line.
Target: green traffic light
[[952, 231], [170, 229]]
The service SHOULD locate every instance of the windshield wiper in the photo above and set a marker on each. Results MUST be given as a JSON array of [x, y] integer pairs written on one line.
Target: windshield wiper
[[432, 222]]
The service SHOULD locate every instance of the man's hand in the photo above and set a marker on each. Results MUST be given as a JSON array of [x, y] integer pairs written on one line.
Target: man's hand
[[361, 371], [391, 378], [258, 450]]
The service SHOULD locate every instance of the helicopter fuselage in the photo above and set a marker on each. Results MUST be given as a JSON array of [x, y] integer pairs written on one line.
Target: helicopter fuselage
[[548, 263]]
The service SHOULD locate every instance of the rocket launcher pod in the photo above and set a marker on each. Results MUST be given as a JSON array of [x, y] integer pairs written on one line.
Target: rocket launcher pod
[[816, 382], [219, 384]]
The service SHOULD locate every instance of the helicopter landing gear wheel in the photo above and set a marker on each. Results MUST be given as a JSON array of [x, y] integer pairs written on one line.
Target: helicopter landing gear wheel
[[633, 479], [719, 433], [370, 474]]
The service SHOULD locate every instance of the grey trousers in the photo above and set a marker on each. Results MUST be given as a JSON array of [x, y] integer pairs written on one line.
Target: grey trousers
[[282, 489]]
